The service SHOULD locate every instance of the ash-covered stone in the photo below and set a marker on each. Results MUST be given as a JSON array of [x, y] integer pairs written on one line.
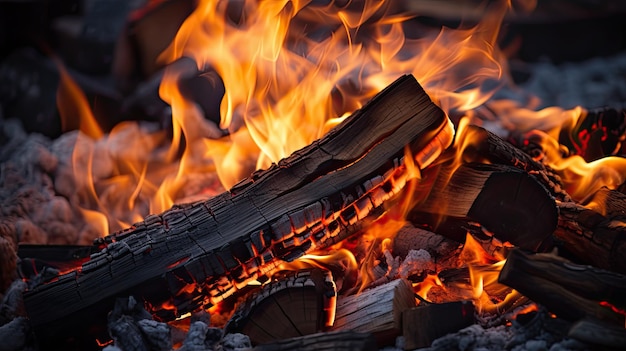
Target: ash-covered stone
[[12, 304], [14, 334], [131, 327], [196, 339], [234, 342], [157, 334]]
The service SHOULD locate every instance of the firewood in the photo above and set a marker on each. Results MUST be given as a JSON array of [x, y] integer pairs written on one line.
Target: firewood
[[198, 254], [599, 333], [486, 147], [508, 202], [300, 304], [377, 311], [425, 323], [339, 341], [569, 290], [595, 234]]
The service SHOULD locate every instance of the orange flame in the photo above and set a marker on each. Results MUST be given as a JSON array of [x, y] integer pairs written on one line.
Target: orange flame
[[291, 70]]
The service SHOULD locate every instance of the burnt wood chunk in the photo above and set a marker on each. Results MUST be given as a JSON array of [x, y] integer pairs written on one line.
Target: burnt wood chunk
[[510, 203], [423, 324], [571, 291], [486, 147], [377, 311], [154, 260], [300, 304], [598, 333], [595, 233], [336, 341]]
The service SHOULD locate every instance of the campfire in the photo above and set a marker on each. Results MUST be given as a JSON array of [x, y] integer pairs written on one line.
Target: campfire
[[307, 175]]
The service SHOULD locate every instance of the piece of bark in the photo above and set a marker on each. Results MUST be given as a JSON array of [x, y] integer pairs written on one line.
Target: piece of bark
[[508, 202], [299, 304], [198, 254], [596, 233], [599, 333], [569, 290], [339, 341], [377, 311], [425, 323]]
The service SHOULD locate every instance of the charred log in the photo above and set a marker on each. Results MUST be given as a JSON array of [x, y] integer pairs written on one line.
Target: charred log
[[300, 304], [571, 291], [596, 233], [195, 255], [507, 201], [425, 323]]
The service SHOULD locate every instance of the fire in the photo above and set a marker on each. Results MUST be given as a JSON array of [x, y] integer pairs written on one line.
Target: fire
[[291, 70]]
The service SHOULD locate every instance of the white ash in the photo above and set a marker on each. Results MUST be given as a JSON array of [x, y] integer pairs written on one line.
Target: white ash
[[595, 83], [234, 342], [416, 262]]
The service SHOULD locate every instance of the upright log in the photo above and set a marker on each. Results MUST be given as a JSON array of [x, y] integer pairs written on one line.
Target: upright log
[[195, 255]]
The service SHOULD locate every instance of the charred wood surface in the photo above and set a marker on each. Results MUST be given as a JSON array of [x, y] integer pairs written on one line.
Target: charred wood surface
[[510, 203], [198, 254], [423, 324], [596, 233], [339, 341], [377, 310], [598, 333], [299, 304], [571, 291], [486, 147]]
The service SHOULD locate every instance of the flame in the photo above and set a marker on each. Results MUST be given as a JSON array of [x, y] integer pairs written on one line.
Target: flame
[[484, 270], [291, 70], [73, 106]]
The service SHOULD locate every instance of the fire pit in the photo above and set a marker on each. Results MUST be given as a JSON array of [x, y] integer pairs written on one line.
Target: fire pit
[[304, 176]]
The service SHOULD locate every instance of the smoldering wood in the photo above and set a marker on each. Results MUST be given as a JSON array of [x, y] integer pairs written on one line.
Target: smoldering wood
[[423, 324], [596, 332], [510, 203], [596, 233], [571, 291], [299, 304], [340, 341], [486, 147], [195, 255], [377, 311]]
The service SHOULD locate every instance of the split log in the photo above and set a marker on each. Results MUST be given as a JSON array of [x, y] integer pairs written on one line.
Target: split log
[[198, 254], [507, 201], [377, 311], [596, 233], [571, 291], [425, 323], [300, 304], [485, 147], [337, 341]]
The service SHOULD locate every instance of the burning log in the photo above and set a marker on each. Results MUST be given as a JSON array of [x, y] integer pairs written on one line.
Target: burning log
[[569, 290], [339, 341], [508, 202], [489, 148], [195, 255], [596, 234], [300, 304], [377, 311]]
